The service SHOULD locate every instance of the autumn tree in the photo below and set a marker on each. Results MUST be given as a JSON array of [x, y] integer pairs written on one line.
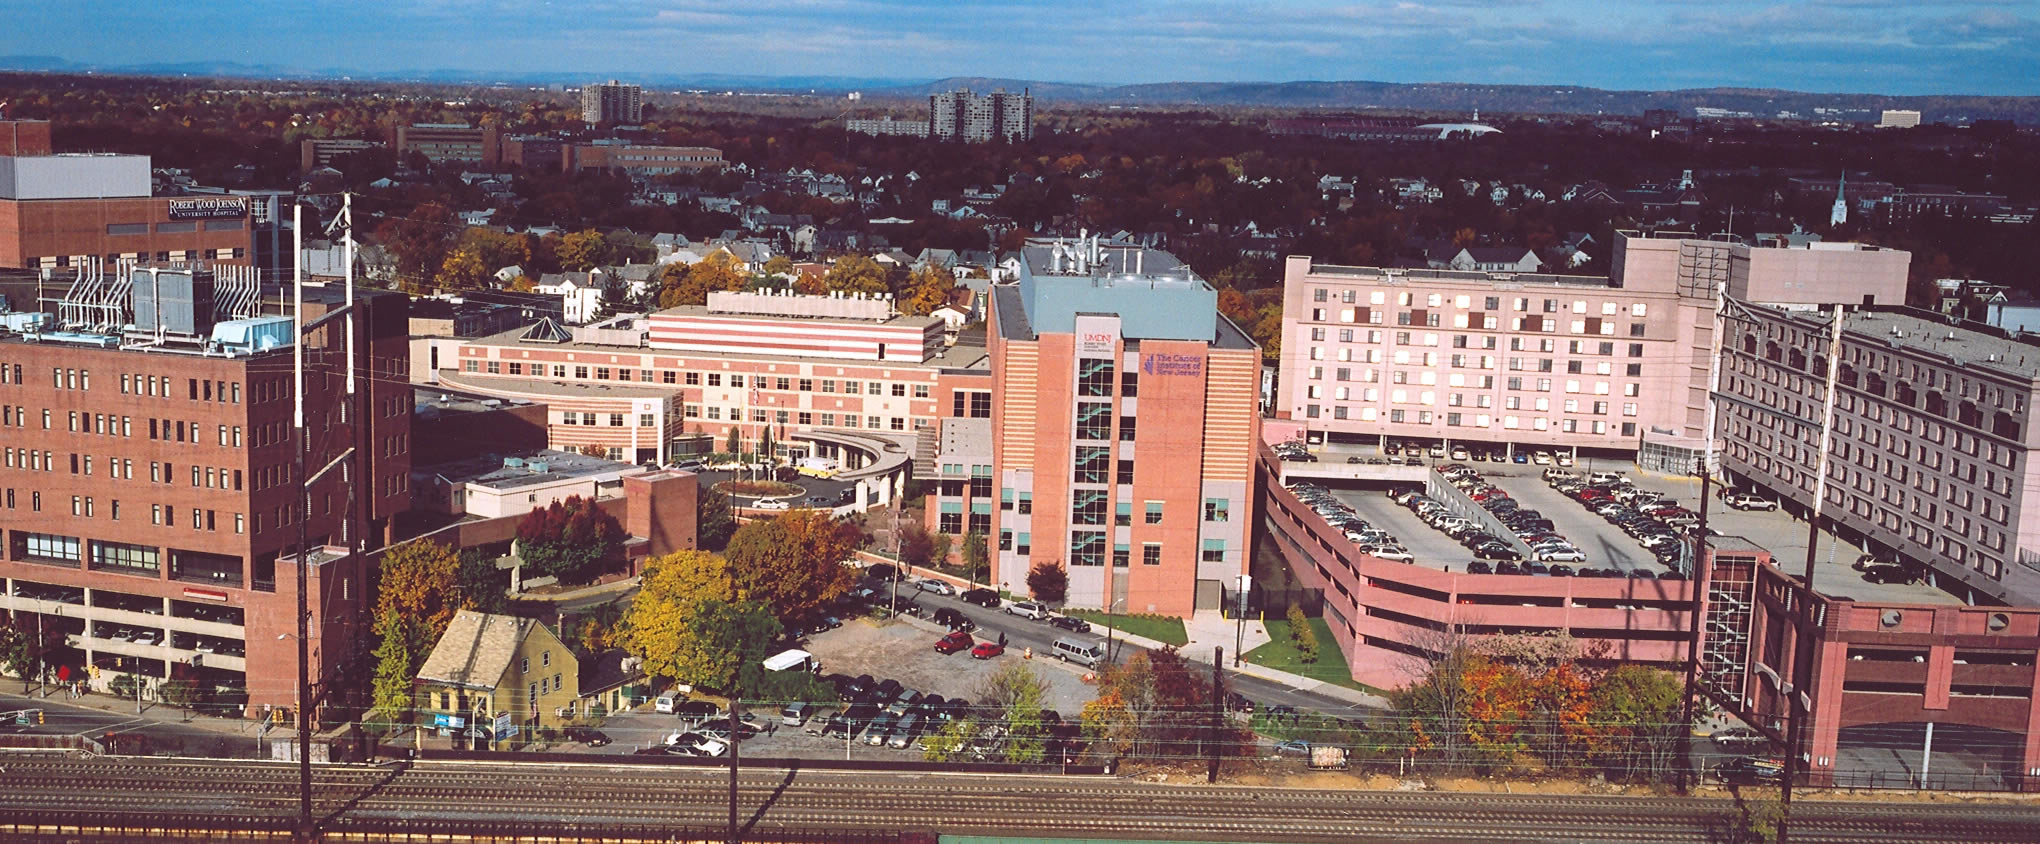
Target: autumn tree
[[419, 242], [1019, 695], [1148, 705], [720, 642], [778, 265], [655, 627], [420, 583], [463, 270], [1048, 581], [928, 288], [856, 274], [794, 562], [681, 284], [483, 587], [582, 250], [571, 540]]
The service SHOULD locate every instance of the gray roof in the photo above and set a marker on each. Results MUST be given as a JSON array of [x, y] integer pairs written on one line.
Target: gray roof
[[475, 650], [1964, 345], [492, 471]]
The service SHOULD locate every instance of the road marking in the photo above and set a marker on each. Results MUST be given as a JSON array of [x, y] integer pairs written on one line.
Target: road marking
[[113, 727]]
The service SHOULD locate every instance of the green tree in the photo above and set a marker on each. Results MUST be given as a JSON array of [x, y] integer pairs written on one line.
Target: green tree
[[976, 557], [1019, 694], [794, 563], [856, 274], [1638, 710], [1048, 581], [481, 585], [582, 250], [615, 295], [713, 522], [778, 265], [735, 443], [396, 663], [181, 688], [727, 642], [949, 743]]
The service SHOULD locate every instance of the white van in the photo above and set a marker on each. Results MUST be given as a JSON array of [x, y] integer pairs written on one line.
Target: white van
[[664, 705], [1087, 654], [1599, 478]]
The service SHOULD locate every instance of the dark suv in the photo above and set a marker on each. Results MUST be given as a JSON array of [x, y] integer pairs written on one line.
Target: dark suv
[[986, 598]]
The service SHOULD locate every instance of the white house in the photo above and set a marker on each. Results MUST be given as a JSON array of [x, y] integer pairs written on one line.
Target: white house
[[580, 293]]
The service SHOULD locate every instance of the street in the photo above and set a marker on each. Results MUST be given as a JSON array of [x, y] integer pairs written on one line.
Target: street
[[162, 727]]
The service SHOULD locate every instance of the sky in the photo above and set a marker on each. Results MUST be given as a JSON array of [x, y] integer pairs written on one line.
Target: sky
[[1865, 46]]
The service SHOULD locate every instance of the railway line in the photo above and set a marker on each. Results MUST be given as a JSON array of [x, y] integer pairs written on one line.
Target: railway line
[[613, 802]]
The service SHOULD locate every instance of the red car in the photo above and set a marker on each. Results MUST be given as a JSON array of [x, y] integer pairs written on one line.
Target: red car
[[953, 642], [987, 650]]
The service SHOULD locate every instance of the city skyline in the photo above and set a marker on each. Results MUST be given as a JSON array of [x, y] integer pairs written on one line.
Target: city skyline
[[1823, 46]]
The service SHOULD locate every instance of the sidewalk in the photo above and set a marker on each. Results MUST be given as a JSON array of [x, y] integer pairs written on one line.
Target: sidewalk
[[1208, 629], [154, 711]]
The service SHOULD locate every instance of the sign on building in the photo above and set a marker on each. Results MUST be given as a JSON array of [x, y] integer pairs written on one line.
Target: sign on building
[[210, 208]]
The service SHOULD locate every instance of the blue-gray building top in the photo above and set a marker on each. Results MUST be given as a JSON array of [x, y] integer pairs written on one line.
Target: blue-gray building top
[[1154, 294]]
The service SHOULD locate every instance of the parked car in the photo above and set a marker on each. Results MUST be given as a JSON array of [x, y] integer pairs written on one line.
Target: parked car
[[1292, 748], [954, 619], [882, 572], [939, 587], [1029, 610], [698, 711], [587, 735], [1745, 769], [771, 504], [1749, 501], [1071, 623], [1479, 567], [1886, 573], [987, 650], [986, 598], [1740, 738], [955, 641]]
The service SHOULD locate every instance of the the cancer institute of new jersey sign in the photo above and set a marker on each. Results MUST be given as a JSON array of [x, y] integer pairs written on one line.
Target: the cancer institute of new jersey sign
[[1164, 364]]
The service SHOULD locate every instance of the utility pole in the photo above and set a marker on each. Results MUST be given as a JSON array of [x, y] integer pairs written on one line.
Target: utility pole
[[1211, 742], [1240, 619], [1698, 577], [736, 740], [1797, 702], [304, 503]]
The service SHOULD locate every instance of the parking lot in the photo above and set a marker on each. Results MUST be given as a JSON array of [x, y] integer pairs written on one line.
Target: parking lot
[[1429, 546], [903, 650]]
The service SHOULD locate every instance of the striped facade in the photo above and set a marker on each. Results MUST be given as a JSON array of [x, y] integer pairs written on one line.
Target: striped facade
[[694, 330]]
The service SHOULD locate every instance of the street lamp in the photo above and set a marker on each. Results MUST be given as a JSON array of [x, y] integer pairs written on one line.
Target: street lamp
[[1240, 616]]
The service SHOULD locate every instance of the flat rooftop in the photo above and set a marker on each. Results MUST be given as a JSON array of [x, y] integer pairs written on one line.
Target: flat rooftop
[[496, 472], [429, 400], [1405, 275], [1962, 345]]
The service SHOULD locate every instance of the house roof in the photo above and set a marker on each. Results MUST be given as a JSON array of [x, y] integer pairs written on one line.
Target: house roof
[[475, 650]]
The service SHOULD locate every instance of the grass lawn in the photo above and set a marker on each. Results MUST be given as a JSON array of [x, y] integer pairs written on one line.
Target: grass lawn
[[1159, 628], [1330, 666]]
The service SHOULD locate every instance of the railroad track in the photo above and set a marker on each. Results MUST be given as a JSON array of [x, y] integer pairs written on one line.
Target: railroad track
[[598, 797]]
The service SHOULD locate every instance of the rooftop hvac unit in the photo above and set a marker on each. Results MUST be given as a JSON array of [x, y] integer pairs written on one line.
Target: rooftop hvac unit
[[173, 301]]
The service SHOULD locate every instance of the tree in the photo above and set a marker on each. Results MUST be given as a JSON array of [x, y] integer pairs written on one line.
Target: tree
[[1639, 708], [419, 241], [593, 450], [655, 627], [1018, 693], [976, 557], [927, 289], [463, 270], [794, 563], [724, 643], [1048, 581], [582, 250], [1302, 635], [181, 688], [917, 545], [713, 522], [735, 442], [420, 583], [572, 540], [778, 265], [482, 586], [615, 295], [949, 743], [856, 274], [396, 661]]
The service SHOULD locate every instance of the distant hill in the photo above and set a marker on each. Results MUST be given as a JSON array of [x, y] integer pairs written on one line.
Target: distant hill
[[1462, 97]]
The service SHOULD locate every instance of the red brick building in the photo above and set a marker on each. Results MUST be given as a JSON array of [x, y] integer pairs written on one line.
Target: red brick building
[[148, 497], [56, 210]]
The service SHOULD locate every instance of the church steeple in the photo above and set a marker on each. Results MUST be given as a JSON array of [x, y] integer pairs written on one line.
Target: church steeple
[[1840, 214]]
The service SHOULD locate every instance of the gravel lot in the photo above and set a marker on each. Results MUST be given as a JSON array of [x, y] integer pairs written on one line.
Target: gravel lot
[[905, 651]]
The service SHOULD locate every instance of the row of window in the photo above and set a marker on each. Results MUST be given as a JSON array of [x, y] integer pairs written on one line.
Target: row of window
[[167, 255], [783, 383], [1463, 301], [802, 417], [86, 507]]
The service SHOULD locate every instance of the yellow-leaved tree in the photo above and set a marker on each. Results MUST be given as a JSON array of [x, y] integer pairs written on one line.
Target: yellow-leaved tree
[[656, 627]]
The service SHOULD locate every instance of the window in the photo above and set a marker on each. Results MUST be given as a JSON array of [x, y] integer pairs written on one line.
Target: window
[[1087, 548], [1093, 464], [1151, 553], [1124, 474], [1094, 377], [1213, 552], [1024, 504], [1154, 512], [1216, 509], [1087, 507], [1094, 420], [45, 546], [120, 556]]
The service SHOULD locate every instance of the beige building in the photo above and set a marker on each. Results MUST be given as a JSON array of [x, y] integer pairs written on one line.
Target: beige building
[[1522, 360], [498, 678]]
